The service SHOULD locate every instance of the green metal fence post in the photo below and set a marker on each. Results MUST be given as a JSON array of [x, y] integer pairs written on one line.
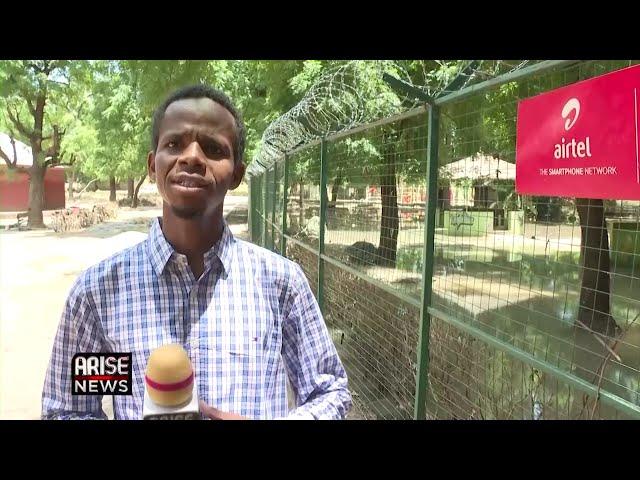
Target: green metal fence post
[[274, 205], [285, 195], [263, 184], [433, 119], [251, 206], [323, 216], [255, 214]]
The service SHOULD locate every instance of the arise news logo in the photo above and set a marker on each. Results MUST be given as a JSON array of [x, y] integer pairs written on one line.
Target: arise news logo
[[101, 374]]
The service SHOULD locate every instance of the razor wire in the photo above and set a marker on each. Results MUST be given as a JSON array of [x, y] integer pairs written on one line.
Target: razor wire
[[341, 99]]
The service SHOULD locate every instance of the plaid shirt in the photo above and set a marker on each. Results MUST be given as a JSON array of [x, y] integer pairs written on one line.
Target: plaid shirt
[[248, 322]]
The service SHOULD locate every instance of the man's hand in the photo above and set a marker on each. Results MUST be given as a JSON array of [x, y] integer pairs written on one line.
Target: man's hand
[[215, 414]]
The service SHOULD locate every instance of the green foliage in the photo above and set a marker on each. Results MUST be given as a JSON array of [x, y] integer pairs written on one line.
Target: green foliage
[[103, 109]]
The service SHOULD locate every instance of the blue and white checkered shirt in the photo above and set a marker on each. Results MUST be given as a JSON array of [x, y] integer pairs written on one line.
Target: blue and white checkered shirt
[[248, 322]]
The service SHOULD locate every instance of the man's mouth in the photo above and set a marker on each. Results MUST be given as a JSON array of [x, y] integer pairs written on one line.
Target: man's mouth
[[188, 181]]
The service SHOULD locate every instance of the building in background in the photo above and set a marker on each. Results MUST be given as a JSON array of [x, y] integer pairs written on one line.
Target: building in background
[[14, 185]]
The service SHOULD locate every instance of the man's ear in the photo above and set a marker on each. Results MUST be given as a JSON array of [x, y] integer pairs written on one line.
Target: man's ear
[[151, 165], [238, 174]]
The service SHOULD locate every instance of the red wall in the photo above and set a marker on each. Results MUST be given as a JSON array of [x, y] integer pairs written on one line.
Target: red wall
[[54, 194], [14, 191]]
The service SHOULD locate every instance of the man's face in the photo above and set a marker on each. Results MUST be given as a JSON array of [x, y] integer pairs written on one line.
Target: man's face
[[194, 164]]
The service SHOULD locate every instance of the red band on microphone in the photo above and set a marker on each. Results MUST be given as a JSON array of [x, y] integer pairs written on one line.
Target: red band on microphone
[[169, 387]]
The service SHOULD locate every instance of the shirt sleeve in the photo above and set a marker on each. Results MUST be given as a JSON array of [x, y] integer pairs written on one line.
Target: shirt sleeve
[[78, 331], [317, 375]]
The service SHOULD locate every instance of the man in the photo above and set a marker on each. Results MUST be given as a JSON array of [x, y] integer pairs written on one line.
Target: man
[[246, 316]]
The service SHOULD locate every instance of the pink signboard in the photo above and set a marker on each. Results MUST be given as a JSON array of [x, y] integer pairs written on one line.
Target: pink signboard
[[581, 140]]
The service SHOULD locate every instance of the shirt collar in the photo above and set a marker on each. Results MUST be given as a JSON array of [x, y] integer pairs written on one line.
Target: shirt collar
[[160, 250]]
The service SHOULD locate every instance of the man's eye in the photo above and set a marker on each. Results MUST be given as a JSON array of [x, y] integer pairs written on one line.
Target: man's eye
[[172, 144], [213, 149]]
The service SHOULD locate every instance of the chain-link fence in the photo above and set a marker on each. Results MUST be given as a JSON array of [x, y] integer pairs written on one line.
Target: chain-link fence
[[478, 304]]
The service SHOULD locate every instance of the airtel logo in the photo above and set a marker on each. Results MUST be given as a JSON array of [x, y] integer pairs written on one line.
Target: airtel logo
[[572, 105], [573, 148]]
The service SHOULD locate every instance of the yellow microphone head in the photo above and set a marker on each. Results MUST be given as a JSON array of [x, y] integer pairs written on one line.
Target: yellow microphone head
[[169, 376]]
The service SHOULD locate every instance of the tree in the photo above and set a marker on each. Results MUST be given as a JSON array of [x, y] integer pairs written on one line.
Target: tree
[[361, 96], [80, 145], [122, 126], [96, 116], [263, 91], [36, 96]]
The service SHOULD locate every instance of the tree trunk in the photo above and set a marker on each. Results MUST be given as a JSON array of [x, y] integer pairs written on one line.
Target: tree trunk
[[390, 221], [334, 188], [130, 187], [112, 189], [595, 309], [134, 203], [548, 209], [331, 219], [300, 212], [36, 196], [72, 180], [330, 211]]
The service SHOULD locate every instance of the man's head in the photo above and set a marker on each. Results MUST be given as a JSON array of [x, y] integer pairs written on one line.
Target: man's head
[[198, 143]]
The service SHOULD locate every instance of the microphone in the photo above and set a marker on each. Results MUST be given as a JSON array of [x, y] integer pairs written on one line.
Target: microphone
[[170, 392]]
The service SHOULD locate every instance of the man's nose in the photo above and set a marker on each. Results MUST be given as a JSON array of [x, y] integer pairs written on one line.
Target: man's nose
[[192, 157]]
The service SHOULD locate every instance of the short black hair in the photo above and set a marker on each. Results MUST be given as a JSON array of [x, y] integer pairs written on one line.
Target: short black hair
[[201, 91]]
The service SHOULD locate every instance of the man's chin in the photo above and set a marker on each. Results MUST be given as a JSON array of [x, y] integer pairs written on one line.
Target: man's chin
[[187, 212]]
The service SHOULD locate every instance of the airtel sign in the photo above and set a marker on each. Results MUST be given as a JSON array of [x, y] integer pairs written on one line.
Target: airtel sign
[[581, 140]]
